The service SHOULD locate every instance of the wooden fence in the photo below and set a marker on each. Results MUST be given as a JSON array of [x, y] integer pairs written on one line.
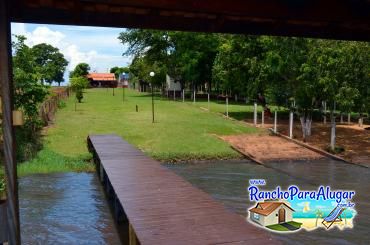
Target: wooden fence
[[50, 106]]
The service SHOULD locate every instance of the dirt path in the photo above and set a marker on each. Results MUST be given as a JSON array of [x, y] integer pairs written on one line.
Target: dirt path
[[269, 148], [354, 139]]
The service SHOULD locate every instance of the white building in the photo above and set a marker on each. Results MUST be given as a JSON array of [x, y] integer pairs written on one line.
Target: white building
[[172, 84], [271, 213]]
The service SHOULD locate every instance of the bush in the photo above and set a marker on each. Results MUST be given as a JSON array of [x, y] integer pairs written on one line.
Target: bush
[[61, 104], [28, 140], [78, 84], [337, 149], [79, 95]]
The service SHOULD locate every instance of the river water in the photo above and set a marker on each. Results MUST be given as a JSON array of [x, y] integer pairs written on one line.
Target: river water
[[65, 209], [228, 182]]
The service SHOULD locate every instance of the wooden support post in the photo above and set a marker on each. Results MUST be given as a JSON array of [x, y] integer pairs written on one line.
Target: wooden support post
[[291, 124], [275, 122], [174, 94], [194, 97], [6, 83], [255, 115], [3, 222], [132, 236], [183, 95], [227, 106]]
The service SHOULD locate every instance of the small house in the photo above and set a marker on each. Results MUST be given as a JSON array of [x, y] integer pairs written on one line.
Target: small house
[[271, 213], [173, 86], [106, 80]]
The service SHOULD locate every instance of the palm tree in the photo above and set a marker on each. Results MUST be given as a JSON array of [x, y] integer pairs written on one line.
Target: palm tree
[[319, 214]]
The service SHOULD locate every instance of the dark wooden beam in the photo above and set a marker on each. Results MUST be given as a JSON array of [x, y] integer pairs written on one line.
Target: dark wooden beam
[[345, 19], [6, 83]]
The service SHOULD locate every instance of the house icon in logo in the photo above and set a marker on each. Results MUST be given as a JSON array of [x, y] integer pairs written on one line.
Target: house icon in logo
[[271, 212]]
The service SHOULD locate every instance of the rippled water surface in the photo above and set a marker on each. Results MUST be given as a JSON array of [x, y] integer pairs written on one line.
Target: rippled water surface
[[65, 209], [227, 182]]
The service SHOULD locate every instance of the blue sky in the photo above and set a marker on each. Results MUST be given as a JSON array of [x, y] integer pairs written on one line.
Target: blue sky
[[97, 46]]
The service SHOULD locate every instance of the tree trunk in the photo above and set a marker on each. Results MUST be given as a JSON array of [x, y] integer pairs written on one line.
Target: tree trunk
[[349, 118], [306, 123], [332, 135]]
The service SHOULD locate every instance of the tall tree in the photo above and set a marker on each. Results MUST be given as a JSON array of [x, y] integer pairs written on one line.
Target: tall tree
[[29, 91], [50, 63], [119, 70], [81, 70]]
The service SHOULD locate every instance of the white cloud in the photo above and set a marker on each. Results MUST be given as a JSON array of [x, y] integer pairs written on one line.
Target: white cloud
[[98, 47]]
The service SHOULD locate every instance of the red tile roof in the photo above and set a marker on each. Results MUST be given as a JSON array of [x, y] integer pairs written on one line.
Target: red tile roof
[[102, 76], [266, 208]]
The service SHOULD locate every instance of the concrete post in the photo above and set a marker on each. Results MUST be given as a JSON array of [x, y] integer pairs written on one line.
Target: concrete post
[[291, 125], [324, 112], [275, 122], [255, 115], [208, 102], [227, 106], [263, 118]]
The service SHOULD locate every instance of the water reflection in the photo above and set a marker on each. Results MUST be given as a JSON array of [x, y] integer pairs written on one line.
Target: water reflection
[[65, 209], [227, 182]]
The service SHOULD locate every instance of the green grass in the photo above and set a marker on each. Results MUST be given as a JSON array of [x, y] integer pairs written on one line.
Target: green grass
[[182, 131], [48, 161], [278, 227], [295, 224]]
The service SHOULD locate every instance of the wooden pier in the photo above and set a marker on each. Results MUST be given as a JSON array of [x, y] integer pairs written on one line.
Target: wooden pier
[[159, 207]]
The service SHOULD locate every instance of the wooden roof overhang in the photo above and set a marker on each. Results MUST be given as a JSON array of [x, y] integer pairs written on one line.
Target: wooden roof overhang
[[337, 19]]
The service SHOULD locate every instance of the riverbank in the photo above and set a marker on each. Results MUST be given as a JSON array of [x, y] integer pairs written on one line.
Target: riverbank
[[181, 131], [353, 139]]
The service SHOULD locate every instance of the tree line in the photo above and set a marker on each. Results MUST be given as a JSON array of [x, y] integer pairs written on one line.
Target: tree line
[[298, 73], [34, 69]]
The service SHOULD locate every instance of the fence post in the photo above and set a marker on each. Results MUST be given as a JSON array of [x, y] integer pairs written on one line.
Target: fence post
[[275, 122], [263, 118], [255, 115], [324, 112], [291, 124], [227, 106], [183, 95], [208, 102]]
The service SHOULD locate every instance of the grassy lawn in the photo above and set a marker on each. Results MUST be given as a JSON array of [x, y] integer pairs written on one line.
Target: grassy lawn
[[239, 111], [182, 131], [279, 227]]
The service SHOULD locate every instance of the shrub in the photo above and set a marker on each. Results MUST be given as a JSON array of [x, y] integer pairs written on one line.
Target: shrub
[[337, 149], [78, 84], [61, 104]]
